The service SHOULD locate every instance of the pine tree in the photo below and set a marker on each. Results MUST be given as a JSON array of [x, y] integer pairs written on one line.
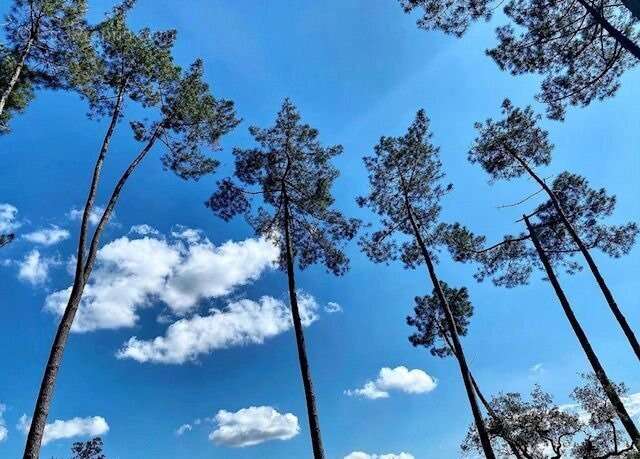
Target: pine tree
[[405, 176], [48, 43], [513, 147], [431, 326], [582, 48], [139, 67], [293, 173]]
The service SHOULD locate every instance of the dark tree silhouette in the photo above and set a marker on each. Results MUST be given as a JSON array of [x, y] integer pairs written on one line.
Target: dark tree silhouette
[[6, 239], [294, 175], [431, 325], [91, 449], [47, 44], [586, 429], [138, 66], [581, 47], [513, 147], [405, 176]]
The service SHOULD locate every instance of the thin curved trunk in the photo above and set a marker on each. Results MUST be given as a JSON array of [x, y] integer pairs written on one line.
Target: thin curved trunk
[[604, 380], [312, 412], [622, 320], [45, 395], [622, 39], [464, 369], [16, 74]]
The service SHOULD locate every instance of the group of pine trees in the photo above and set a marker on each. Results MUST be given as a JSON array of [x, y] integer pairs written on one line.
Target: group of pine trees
[[283, 188]]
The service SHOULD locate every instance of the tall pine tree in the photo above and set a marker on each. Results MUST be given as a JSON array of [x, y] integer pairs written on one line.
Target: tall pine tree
[[293, 175], [405, 177]]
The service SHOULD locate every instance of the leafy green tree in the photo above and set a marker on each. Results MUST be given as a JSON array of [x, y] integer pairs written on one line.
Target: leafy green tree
[[405, 177], [188, 119], [581, 47], [294, 175], [48, 44], [512, 147], [585, 429]]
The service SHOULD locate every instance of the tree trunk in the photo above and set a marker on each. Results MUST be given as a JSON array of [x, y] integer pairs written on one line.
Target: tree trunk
[[16, 74], [312, 412], [453, 332], [483, 400], [634, 7], [626, 328], [612, 395], [45, 395], [622, 39]]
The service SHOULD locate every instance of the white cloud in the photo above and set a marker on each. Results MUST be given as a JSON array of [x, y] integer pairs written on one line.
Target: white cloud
[[8, 221], [240, 323], [183, 428], [361, 455], [34, 268], [144, 230], [190, 235], [131, 274], [76, 427], [48, 236], [332, 307], [632, 404], [94, 216], [399, 379], [3, 425], [252, 426]]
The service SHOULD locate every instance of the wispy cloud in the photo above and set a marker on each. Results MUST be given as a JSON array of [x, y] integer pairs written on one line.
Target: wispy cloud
[[47, 236]]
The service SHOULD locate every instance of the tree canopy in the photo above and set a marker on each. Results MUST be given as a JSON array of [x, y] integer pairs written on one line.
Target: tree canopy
[[292, 167]]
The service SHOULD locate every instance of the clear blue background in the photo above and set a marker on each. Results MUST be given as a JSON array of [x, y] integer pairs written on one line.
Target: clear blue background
[[357, 69]]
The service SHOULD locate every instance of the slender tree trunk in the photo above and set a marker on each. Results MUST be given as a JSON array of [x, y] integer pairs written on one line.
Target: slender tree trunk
[[312, 412], [612, 395], [16, 74], [514, 449], [633, 6], [622, 39], [45, 395], [622, 320], [453, 333]]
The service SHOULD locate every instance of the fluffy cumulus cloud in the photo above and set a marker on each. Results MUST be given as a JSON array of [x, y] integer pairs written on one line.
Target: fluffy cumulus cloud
[[34, 268], [94, 216], [8, 215], [133, 273], [361, 455], [76, 427], [240, 323], [332, 307], [399, 379], [47, 236], [3, 425], [252, 426], [632, 404]]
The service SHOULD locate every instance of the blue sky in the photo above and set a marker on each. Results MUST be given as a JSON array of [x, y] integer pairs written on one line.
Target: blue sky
[[357, 70]]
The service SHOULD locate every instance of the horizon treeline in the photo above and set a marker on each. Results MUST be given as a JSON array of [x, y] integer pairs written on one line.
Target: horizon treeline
[[283, 187]]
